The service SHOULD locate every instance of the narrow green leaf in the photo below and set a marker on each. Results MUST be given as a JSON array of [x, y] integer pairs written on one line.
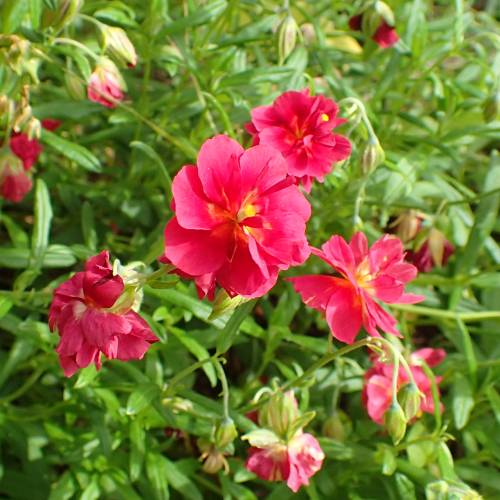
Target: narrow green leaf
[[137, 437], [156, 473], [463, 401], [141, 397], [180, 482], [232, 328], [79, 154], [153, 155]]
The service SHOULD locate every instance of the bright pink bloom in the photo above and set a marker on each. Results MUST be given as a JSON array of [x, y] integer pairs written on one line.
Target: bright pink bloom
[[300, 127], [28, 150], [106, 85], [294, 462], [385, 35], [91, 319], [238, 219], [423, 260], [377, 389], [15, 183], [367, 274]]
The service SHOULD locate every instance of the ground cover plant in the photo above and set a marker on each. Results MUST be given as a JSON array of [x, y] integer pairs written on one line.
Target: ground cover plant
[[249, 249]]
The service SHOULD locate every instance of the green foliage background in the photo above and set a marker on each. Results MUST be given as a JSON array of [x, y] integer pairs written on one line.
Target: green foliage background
[[104, 180]]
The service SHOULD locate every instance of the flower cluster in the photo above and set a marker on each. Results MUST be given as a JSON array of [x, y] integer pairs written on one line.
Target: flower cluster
[[16, 161], [281, 450]]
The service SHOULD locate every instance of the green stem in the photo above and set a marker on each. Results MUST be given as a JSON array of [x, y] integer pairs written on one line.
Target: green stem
[[184, 373], [225, 388], [435, 396], [81, 46], [439, 313], [395, 376]]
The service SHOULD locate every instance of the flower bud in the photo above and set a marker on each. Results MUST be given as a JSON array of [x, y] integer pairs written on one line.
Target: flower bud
[[373, 156], [7, 109], [33, 128], [74, 86], [15, 183], [212, 458], [450, 490], [491, 109], [225, 434], [385, 12], [407, 225], [116, 42], [308, 32], [410, 400], [337, 426], [14, 50], [106, 84], [279, 413], [223, 303], [395, 422], [287, 37], [437, 246]]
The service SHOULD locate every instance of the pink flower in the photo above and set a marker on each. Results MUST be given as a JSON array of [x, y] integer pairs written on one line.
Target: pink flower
[[106, 85], [15, 183], [300, 127], [94, 315], [385, 36], [377, 389], [367, 276], [294, 462], [238, 219]]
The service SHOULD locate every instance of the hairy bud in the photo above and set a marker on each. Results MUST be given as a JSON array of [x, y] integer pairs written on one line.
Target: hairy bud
[[116, 42], [395, 422]]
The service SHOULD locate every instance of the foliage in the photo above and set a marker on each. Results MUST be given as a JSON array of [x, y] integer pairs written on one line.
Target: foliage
[[104, 180]]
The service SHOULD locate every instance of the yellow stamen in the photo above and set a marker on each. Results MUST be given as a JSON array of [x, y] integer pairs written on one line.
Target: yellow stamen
[[325, 117]]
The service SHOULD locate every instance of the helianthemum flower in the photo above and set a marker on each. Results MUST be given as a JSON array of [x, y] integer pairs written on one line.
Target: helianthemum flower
[[377, 390], [367, 275], [281, 450], [239, 219], [93, 314], [300, 127]]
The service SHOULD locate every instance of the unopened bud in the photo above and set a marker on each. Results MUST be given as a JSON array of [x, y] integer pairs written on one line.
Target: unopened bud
[[438, 246], [337, 426], [33, 128], [410, 400], [373, 156], [7, 109], [407, 225], [225, 434], [212, 458], [22, 118], [287, 37], [14, 50], [395, 422], [116, 42], [385, 12], [279, 413], [491, 109], [223, 303], [74, 86]]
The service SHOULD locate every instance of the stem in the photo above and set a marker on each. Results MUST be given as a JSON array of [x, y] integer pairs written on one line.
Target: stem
[[225, 388], [395, 376], [439, 313], [81, 46], [435, 396], [184, 373]]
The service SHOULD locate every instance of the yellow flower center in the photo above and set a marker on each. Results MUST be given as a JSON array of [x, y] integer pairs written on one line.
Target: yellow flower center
[[325, 117]]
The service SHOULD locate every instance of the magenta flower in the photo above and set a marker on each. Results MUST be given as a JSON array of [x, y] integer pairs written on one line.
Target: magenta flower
[[294, 462], [433, 252], [367, 276], [26, 149], [238, 219], [93, 314], [385, 36], [377, 389], [106, 85], [300, 127]]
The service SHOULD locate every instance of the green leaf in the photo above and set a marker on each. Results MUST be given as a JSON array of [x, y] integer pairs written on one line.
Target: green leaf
[[141, 397], [198, 351], [92, 491], [463, 401], [64, 489], [79, 154], [232, 328], [180, 482], [137, 437], [35, 13], [156, 473], [153, 155]]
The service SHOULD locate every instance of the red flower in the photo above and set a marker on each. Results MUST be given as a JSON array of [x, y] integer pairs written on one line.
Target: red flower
[[366, 274], [106, 85], [15, 183], [238, 219], [377, 389], [300, 127], [28, 150], [435, 251], [94, 316], [384, 36], [294, 462]]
